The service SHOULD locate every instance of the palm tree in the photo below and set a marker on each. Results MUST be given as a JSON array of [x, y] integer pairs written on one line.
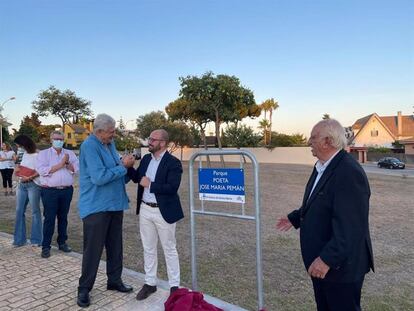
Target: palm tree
[[269, 105], [264, 125]]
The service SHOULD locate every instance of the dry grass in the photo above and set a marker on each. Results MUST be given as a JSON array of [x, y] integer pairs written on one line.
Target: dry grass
[[226, 247]]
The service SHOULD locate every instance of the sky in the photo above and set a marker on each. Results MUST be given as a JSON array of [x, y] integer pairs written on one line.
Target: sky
[[347, 58]]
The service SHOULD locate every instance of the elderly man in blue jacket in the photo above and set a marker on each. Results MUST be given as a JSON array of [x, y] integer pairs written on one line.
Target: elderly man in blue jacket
[[102, 202], [158, 203]]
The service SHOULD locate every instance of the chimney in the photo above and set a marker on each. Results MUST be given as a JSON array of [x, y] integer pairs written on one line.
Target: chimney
[[399, 123]]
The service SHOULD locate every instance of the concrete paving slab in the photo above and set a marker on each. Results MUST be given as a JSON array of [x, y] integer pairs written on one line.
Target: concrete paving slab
[[29, 282]]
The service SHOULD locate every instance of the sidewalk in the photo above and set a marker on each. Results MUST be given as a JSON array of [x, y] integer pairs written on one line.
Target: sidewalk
[[29, 282]]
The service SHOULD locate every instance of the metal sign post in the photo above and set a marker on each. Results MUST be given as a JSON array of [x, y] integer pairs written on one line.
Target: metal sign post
[[221, 188]]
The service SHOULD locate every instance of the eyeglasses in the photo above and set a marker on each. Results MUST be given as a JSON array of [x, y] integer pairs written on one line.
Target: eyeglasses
[[155, 139]]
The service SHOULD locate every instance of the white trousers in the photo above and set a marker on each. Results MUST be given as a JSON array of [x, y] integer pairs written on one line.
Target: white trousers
[[151, 226]]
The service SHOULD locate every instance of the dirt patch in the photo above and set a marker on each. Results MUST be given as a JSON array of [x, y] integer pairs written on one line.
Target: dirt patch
[[226, 247]]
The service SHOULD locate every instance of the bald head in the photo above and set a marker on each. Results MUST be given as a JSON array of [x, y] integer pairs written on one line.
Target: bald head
[[158, 142], [163, 134]]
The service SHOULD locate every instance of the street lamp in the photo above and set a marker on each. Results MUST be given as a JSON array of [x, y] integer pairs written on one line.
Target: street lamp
[[3, 120], [8, 99]]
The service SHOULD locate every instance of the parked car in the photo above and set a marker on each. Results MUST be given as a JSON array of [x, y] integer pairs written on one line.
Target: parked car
[[391, 163]]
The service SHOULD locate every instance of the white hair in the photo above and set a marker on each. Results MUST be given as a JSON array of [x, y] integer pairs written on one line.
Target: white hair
[[103, 122], [333, 130]]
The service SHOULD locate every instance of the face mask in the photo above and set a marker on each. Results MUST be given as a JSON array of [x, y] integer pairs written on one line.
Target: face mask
[[20, 150], [58, 144]]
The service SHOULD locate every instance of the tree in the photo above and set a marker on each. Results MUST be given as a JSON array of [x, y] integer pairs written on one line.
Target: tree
[[264, 125], [45, 130], [64, 105], [196, 136], [179, 132], [32, 120], [32, 126], [5, 134], [268, 106], [151, 121], [397, 145], [124, 141], [326, 116], [284, 140], [180, 136], [29, 130], [299, 140], [121, 125], [221, 98], [196, 115], [241, 136]]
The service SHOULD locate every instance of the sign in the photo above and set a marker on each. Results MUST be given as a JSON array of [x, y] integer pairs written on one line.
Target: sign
[[221, 184]]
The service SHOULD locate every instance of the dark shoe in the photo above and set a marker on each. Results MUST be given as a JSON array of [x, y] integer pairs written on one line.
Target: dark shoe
[[18, 245], [145, 291], [173, 289], [83, 299], [45, 253], [120, 287], [65, 248]]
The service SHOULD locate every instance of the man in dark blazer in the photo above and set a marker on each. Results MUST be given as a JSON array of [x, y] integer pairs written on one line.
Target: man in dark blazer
[[159, 207], [333, 221]]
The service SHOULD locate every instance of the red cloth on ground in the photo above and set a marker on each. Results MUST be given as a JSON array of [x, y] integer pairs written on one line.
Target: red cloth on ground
[[185, 300]]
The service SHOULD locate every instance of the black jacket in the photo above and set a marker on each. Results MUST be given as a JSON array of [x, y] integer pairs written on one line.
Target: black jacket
[[333, 221], [165, 186]]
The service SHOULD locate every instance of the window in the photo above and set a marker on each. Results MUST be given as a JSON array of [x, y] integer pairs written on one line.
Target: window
[[374, 133], [69, 135]]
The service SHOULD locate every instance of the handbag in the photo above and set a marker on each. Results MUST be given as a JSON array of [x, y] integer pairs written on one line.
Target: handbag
[[25, 171]]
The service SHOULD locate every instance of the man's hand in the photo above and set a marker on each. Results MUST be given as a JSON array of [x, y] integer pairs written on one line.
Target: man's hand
[[70, 167], [62, 164], [65, 159], [283, 224], [318, 269], [145, 182], [128, 160]]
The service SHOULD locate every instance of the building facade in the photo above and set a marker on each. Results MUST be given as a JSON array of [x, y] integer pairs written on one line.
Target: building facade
[[376, 131], [75, 134]]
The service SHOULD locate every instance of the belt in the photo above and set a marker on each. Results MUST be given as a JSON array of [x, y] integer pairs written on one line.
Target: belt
[[150, 204], [57, 188]]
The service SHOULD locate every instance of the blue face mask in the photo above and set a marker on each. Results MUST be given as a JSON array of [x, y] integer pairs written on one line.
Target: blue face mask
[[20, 150], [58, 144]]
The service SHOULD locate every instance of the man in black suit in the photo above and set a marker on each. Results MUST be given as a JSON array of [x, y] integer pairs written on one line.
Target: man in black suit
[[159, 207], [333, 221]]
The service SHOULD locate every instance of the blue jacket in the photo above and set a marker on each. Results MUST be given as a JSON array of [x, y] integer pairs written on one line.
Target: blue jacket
[[165, 186], [102, 179], [333, 221]]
